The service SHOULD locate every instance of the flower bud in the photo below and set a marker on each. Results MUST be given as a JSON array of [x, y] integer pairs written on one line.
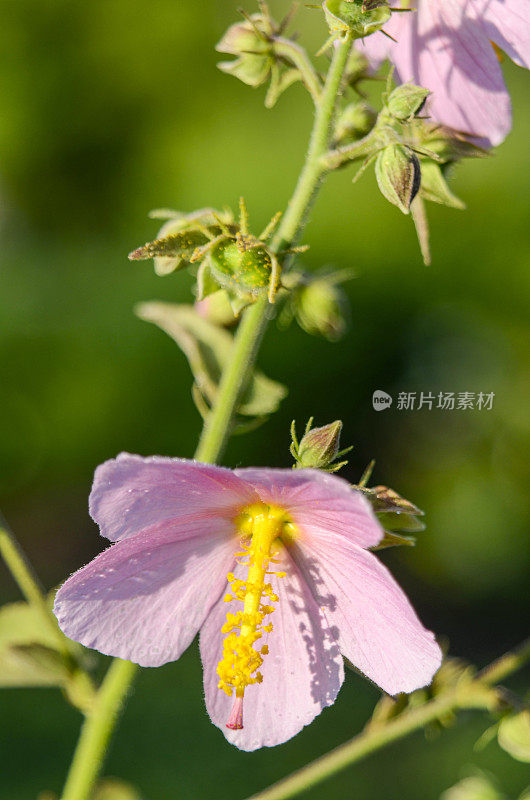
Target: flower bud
[[252, 43], [406, 101], [355, 121], [319, 308], [447, 144], [319, 447], [216, 308], [243, 38], [398, 174], [356, 18]]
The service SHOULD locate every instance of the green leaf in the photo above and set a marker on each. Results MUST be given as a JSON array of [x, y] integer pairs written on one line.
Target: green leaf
[[28, 649], [514, 735], [208, 349]]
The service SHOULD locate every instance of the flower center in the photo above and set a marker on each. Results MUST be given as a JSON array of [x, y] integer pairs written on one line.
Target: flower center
[[261, 526]]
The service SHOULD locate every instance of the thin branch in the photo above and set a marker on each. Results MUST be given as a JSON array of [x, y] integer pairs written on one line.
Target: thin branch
[[475, 694]]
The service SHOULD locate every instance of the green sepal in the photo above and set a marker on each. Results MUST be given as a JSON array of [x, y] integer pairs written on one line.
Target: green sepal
[[434, 186], [206, 283], [252, 70], [394, 540], [281, 79], [172, 251]]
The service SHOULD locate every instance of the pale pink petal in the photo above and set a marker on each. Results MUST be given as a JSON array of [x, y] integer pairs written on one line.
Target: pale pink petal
[[507, 23], [145, 598], [457, 62], [316, 499], [302, 672], [377, 47], [445, 47], [130, 493], [378, 630]]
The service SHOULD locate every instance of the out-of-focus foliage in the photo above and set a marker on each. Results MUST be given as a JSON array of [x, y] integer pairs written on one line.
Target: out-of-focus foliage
[[111, 108]]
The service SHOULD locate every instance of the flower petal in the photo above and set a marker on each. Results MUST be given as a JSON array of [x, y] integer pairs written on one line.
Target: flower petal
[[446, 48], [302, 673], [145, 598], [318, 500], [378, 630], [131, 493], [507, 23]]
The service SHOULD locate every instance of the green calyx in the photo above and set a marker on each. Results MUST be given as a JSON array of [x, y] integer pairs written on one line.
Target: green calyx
[[262, 54], [355, 18], [235, 268], [228, 256], [239, 262]]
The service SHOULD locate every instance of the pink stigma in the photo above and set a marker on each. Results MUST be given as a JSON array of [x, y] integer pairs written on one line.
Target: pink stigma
[[235, 721]]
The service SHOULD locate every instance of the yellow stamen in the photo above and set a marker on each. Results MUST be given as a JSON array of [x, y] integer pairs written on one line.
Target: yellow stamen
[[262, 526]]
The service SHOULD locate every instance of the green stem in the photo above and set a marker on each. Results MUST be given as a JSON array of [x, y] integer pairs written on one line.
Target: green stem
[[252, 327], [217, 427], [297, 56], [376, 736], [96, 731]]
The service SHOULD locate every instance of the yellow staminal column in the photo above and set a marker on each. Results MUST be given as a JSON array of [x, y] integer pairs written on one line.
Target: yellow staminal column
[[241, 661]]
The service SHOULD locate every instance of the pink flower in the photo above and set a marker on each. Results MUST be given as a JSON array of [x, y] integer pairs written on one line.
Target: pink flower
[[270, 565], [446, 46]]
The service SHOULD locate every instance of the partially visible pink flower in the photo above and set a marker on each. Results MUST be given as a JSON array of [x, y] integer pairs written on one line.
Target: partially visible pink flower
[[270, 565], [446, 46]]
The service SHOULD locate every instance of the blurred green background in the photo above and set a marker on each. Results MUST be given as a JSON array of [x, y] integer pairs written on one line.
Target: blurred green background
[[111, 108]]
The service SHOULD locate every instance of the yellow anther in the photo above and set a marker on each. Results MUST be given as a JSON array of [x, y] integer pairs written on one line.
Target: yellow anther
[[262, 525], [227, 598]]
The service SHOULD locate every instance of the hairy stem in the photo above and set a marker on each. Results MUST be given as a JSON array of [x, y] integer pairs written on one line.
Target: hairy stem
[[297, 56], [477, 694], [96, 732], [252, 327]]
